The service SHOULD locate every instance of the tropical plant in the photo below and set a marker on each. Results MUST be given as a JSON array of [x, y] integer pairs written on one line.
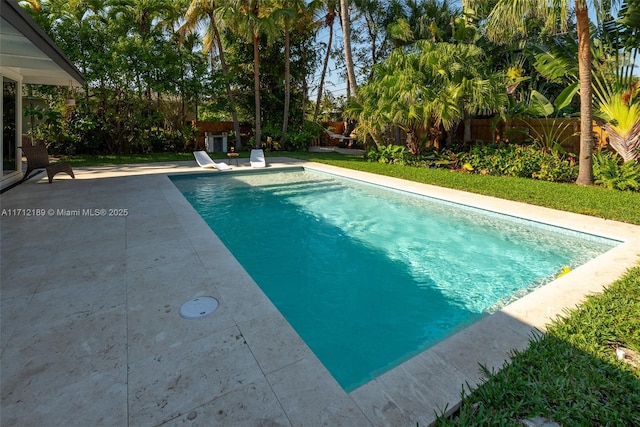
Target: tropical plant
[[555, 169], [612, 68], [509, 17], [620, 112], [302, 138], [427, 85], [609, 173], [451, 160], [396, 96], [385, 153], [616, 90], [549, 136], [623, 36], [138, 76]]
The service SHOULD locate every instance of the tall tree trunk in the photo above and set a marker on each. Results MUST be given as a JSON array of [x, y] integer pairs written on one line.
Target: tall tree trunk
[[305, 86], [256, 87], [225, 70], [585, 171], [346, 36], [467, 127], [287, 79], [373, 32], [329, 20]]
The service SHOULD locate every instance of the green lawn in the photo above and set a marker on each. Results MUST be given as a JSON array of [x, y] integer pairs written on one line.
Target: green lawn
[[113, 159], [570, 375]]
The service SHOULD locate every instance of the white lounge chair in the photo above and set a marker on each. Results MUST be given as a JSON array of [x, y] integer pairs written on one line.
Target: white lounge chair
[[204, 161], [257, 158]]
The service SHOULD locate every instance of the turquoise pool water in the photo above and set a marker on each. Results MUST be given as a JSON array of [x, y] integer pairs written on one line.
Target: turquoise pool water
[[369, 276]]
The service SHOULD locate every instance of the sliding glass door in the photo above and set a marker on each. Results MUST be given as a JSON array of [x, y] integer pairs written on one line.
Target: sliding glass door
[[10, 93]]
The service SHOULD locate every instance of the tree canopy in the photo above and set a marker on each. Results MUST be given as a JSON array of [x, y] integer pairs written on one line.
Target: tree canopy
[[152, 66]]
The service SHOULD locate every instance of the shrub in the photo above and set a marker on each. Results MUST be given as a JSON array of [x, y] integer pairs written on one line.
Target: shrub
[[300, 139], [272, 130], [427, 159], [449, 159], [509, 160], [522, 161], [556, 169], [609, 173], [385, 154]]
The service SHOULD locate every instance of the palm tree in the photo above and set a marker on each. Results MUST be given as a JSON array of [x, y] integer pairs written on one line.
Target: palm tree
[[399, 95], [432, 20], [140, 24], [251, 19], [348, 57], [623, 35], [426, 86], [585, 171], [143, 15], [288, 13], [301, 14], [374, 14], [460, 70], [206, 11], [329, 19], [508, 17]]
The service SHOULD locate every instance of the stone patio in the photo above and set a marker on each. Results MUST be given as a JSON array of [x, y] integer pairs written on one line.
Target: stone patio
[[90, 331]]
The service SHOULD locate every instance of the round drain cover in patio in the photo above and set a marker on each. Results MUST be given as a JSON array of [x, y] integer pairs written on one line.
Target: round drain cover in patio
[[198, 307]]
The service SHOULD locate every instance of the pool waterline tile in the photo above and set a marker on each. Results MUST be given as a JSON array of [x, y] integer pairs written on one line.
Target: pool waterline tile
[[612, 242]]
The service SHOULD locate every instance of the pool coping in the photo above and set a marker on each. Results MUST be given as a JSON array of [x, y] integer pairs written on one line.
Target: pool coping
[[490, 342], [401, 395], [275, 364]]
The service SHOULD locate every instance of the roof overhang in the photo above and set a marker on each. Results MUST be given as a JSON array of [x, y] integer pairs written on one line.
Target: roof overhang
[[26, 50]]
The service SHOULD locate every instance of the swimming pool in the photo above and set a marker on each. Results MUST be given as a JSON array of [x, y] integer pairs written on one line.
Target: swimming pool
[[369, 276]]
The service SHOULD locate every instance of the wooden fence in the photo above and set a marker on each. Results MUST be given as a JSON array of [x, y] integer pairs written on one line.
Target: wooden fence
[[325, 139], [486, 131], [565, 130], [482, 131]]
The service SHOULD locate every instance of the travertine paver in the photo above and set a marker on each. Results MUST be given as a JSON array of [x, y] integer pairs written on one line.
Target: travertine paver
[[90, 331]]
